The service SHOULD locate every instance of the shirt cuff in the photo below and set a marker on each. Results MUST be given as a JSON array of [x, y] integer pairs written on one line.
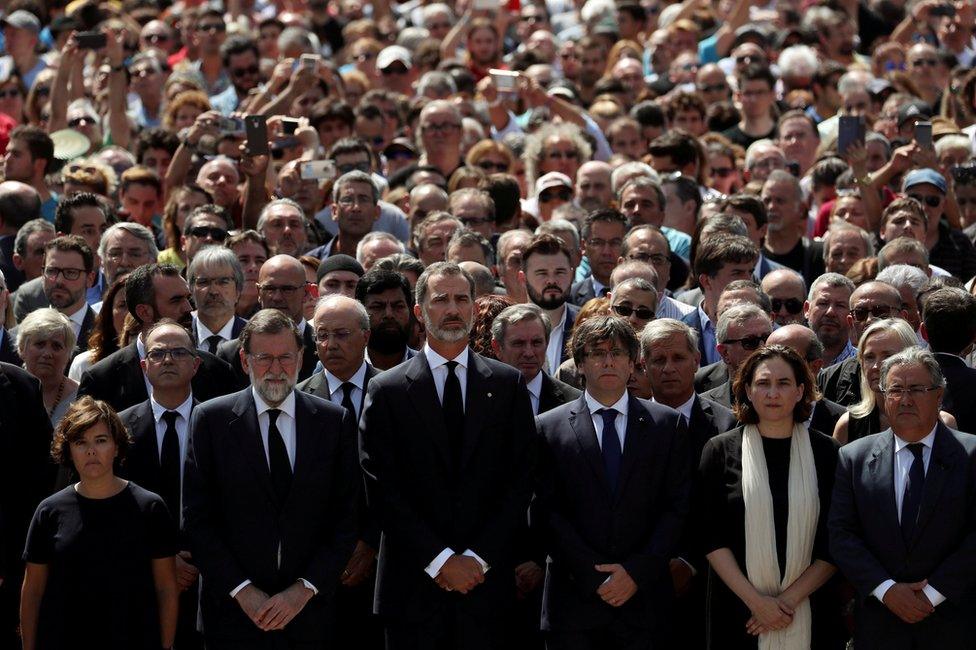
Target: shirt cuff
[[694, 571], [880, 591], [435, 566], [237, 589], [933, 595], [484, 565], [309, 586]]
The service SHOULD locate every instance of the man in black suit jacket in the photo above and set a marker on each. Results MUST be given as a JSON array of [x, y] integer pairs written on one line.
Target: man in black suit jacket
[[902, 522], [64, 256], [602, 235], [281, 285], [711, 376], [27, 478], [19, 203], [216, 280], [269, 500], [152, 291], [949, 325], [446, 446], [160, 430], [8, 351], [341, 327], [613, 494]]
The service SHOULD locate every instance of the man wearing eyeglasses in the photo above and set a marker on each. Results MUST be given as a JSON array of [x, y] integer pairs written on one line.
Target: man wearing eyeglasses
[[69, 270], [634, 300], [475, 209], [648, 244], [869, 302], [355, 199], [901, 525], [216, 280], [208, 35], [786, 290], [159, 428], [742, 329], [440, 135]]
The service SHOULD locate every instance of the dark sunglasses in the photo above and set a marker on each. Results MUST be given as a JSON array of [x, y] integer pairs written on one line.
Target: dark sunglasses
[[81, 121], [400, 154], [860, 314], [749, 342], [243, 72], [722, 172], [217, 234], [156, 38], [9, 94], [793, 305], [489, 166], [931, 201], [643, 313], [712, 88], [562, 195]]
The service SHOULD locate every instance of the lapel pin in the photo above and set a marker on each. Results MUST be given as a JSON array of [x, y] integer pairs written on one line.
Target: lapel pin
[[489, 394]]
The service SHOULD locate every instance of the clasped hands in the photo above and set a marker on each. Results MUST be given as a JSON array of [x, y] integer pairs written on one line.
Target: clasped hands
[[770, 613], [907, 601], [273, 612], [461, 573], [618, 588]]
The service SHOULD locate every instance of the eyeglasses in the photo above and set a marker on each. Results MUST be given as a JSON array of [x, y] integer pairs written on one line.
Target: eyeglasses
[[749, 58], [365, 56], [656, 259], [562, 195], [490, 166], [353, 167], [205, 283], [751, 342], [339, 336], [712, 88], [142, 72], [12, 93], [216, 234], [244, 72], [445, 127], [157, 38], [918, 63], [116, 254], [931, 201], [267, 360], [643, 313], [915, 392], [212, 27], [570, 154], [286, 290], [52, 273], [531, 19], [82, 121], [359, 199], [860, 314], [793, 305], [615, 354], [159, 355], [475, 221], [400, 154]]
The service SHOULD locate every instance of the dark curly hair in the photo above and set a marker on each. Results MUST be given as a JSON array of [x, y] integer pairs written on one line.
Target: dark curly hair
[[82, 415], [745, 412], [486, 308]]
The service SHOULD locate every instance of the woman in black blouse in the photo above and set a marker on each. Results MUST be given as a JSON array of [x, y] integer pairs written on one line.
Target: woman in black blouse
[[761, 509], [100, 553]]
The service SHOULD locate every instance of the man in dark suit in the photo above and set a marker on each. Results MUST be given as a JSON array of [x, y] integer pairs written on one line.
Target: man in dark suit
[[152, 292], [388, 300], [160, 430], [281, 285], [69, 271], [446, 446], [603, 238], [949, 325], [613, 494], [216, 280], [341, 327], [27, 478], [741, 329], [269, 497], [547, 271], [902, 524]]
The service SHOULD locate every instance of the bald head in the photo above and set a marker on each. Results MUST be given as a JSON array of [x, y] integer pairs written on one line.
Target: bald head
[[19, 203], [787, 291], [282, 285], [484, 281]]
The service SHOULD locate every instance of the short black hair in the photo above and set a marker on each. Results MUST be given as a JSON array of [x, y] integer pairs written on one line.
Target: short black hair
[[677, 145], [139, 289], [235, 45], [64, 219], [379, 280], [757, 72], [156, 138], [950, 320], [606, 215], [647, 113], [603, 328], [38, 142]]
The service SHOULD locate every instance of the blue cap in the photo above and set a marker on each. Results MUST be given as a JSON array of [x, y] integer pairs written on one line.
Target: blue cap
[[924, 177]]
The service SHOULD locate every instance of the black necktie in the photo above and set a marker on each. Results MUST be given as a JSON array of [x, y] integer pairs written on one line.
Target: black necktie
[[453, 405], [213, 342], [278, 457], [169, 466], [612, 454], [347, 404], [912, 500], [604, 291]]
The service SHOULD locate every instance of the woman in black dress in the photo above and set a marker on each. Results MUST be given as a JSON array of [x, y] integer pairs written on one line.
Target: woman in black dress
[[100, 553], [761, 510]]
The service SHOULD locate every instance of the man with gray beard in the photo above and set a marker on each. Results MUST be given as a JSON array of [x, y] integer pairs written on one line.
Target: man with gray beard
[[446, 448], [269, 495]]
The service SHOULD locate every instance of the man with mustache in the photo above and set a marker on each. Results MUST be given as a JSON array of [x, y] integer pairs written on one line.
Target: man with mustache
[[547, 273], [446, 448], [389, 303], [269, 499], [216, 280], [826, 311]]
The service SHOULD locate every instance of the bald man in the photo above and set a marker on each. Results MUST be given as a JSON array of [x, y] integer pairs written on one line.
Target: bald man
[[786, 290]]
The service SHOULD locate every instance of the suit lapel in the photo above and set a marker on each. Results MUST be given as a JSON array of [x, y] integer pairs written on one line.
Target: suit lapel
[[882, 467], [305, 440], [477, 404], [370, 373], [637, 437], [310, 356], [87, 323], [249, 437], [582, 423], [133, 381], [550, 395], [423, 396], [940, 466], [318, 385]]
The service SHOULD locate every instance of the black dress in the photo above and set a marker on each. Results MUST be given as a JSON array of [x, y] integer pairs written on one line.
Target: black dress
[[863, 427], [100, 591], [719, 521]]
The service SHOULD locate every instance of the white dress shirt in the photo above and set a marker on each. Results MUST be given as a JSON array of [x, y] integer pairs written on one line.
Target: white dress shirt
[[535, 390], [203, 332], [903, 464], [554, 351], [438, 368], [619, 422], [683, 409], [668, 307], [182, 432], [78, 319], [335, 388]]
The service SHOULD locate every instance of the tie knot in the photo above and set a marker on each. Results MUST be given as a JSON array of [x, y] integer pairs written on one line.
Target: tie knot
[[273, 416], [608, 415], [170, 417], [451, 365], [916, 449], [214, 338], [347, 387]]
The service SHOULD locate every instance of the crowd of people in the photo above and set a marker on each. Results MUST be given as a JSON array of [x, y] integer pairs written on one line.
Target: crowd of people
[[488, 325]]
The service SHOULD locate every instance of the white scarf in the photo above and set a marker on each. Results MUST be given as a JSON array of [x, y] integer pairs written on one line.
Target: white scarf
[[762, 563]]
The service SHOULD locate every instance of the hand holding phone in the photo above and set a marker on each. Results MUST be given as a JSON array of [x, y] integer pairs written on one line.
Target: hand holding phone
[[923, 134], [91, 40], [256, 128]]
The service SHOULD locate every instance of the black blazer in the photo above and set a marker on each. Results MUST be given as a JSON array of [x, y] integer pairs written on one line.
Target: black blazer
[[235, 329], [711, 376], [693, 320], [825, 416], [87, 325], [960, 380], [555, 393], [708, 419], [118, 379], [8, 351], [866, 540], [721, 394], [582, 291], [585, 524], [237, 529], [841, 382], [229, 352], [572, 311], [318, 385], [425, 504]]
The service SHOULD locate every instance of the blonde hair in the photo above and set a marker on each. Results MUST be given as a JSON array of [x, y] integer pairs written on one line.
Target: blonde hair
[[905, 335]]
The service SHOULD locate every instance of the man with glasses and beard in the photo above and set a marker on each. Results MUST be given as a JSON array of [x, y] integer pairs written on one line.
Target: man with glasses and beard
[[389, 303], [446, 448], [69, 266], [547, 272], [269, 499]]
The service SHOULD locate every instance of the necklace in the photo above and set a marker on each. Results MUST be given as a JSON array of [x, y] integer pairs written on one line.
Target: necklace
[[57, 400]]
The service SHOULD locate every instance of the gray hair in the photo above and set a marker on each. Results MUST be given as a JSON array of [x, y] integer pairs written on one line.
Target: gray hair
[[28, 229], [953, 141], [136, 230], [329, 300], [759, 146], [843, 226], [298, 37], [798, 61], [355, 176], [662, 328], [629, 170], [437, 81], [908, 339], [738, 314], [269, 321], [782, 176], [377, 235], [505, 241], [644, 183], [434, 8], [913, 356], [535, 142], [43, 324], [210, 257], [903, 275], [831, 280], [556, 227], [466, 238], [438, 269], [516, 314], [901, 245], [265, 212], [634, 269]]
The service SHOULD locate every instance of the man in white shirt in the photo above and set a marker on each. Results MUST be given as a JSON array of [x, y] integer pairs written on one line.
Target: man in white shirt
[[216, 280], [547, 273]]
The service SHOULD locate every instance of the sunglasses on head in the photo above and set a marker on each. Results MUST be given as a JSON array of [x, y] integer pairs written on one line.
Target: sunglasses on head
[[931, 201], [562, 195], [643, 313], [793, 305], [860, 314], [749, 342]]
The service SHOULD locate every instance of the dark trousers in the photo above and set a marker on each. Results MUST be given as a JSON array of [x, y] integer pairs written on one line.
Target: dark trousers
[[448, 629], [187, 637], [618, 636], [356, 627]]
